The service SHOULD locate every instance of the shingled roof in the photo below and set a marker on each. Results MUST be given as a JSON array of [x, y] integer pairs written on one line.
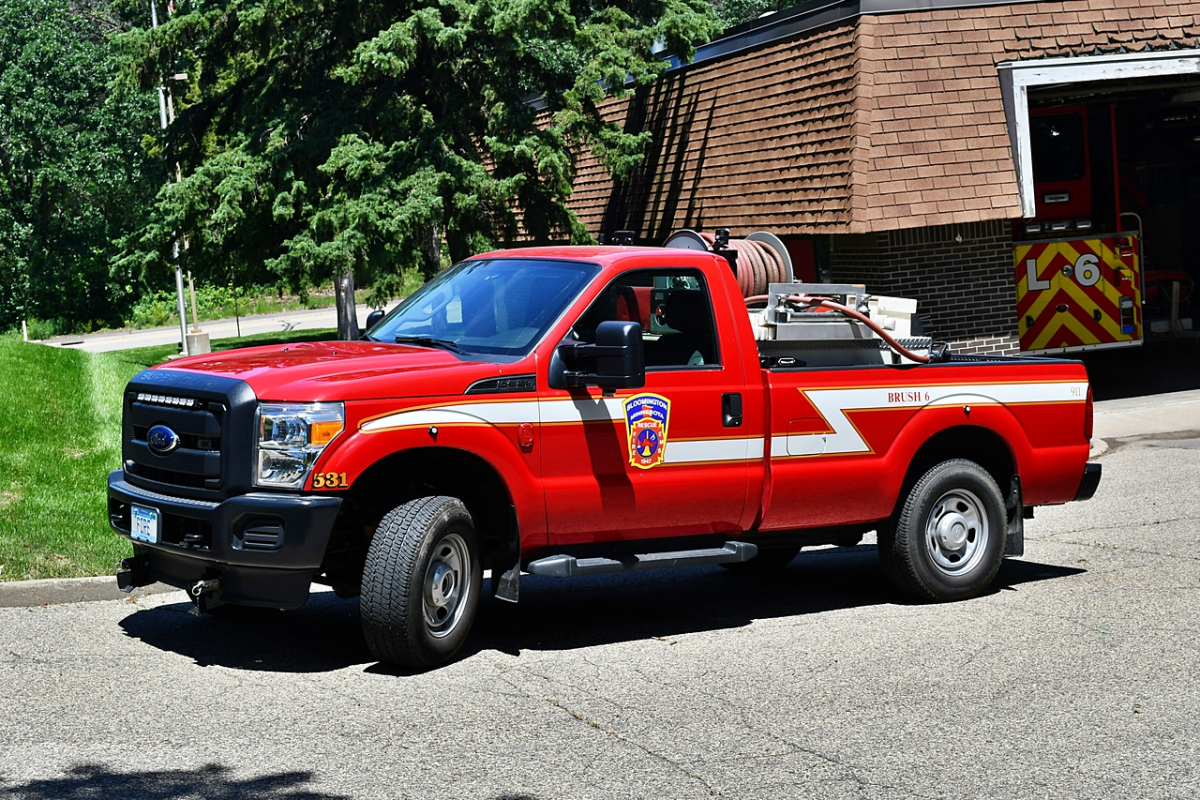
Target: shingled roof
[[870, 122]]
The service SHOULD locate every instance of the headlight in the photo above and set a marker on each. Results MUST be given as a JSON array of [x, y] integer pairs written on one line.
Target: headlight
[[288, 439]]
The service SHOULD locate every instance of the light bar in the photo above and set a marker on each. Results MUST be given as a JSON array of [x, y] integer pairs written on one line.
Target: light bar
[[168, 400]]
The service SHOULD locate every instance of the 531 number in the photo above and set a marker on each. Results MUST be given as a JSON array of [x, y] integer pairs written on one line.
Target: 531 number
[[330, 480]]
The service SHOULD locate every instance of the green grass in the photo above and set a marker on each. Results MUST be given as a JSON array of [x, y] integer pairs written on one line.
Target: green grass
[[60, 434]]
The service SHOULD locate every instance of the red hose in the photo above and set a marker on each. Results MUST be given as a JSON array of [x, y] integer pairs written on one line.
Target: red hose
[[825, 302]]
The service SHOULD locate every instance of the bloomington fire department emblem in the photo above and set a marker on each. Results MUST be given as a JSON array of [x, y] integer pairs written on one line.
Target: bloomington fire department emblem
[[646, 417]]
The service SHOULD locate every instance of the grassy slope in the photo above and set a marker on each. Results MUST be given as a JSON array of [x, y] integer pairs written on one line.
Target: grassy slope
[[59, 438]]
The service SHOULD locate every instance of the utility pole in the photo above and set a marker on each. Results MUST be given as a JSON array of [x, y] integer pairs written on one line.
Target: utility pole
[[166, 113]]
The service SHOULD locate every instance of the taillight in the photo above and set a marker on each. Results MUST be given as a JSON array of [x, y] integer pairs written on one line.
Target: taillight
[[1089, 412]]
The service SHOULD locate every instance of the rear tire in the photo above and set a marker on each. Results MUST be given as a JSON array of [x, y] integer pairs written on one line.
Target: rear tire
[[421, 583], [947, 542]]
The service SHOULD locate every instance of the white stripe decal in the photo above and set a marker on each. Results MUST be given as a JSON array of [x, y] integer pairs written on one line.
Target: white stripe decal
[[830, 403], [458, 414], [606, 409], [808, 444], [597, 409], [844, 439], [706, 450]]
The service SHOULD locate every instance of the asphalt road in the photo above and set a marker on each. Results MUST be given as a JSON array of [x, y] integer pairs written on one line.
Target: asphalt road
[[1075, 678]]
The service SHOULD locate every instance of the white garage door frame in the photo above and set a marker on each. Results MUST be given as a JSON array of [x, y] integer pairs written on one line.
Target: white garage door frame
[[1018, 77]]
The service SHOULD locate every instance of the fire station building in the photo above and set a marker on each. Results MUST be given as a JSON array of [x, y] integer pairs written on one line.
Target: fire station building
[[1029, 171]]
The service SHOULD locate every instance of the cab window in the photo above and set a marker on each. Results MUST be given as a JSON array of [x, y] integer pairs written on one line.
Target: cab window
[[674, 311]]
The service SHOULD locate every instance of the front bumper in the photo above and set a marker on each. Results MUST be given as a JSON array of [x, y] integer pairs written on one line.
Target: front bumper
[[263, 548]]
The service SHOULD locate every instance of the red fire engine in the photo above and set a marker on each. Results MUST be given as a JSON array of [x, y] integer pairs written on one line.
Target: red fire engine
[[1080, 271]]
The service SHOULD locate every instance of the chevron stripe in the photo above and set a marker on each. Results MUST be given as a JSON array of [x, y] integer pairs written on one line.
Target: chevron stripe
[[1076, 326], [843, 438]]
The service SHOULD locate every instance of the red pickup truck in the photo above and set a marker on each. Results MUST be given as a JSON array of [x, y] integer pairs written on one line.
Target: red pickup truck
[[577, 410]]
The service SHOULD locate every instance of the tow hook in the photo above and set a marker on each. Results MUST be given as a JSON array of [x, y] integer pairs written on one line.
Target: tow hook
[[204, 595]]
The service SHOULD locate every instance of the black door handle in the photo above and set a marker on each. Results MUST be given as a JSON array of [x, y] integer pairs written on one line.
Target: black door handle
[[731, 410]]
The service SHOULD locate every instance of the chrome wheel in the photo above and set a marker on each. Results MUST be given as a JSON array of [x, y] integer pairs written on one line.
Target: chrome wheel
[[946, 541], [447, 587], [957, 531]]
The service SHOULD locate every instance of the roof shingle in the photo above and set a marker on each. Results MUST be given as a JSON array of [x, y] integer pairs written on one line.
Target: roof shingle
[[881, 123]]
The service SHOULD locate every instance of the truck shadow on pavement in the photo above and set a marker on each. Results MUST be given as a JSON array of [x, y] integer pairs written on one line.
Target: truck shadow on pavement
[[554, 614], [566, 614], [212, 781]]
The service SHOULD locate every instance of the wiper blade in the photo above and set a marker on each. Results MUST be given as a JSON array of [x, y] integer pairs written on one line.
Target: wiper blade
[[429, 341]]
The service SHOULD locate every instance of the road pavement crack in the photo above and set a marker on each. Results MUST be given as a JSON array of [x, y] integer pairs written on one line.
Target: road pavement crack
[[1116, 548], [609, 732], [626, 740], [847, 772], [1142, 551]]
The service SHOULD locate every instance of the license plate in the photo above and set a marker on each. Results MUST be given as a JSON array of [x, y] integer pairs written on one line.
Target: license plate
[[145, 525]]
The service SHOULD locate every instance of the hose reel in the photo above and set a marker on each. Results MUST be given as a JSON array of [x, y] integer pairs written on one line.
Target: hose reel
[[761, 258]]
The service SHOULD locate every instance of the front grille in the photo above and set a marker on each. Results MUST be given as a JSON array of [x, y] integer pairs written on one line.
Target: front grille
[[188, 441], [189, 465], [169, 477], [212, 419]]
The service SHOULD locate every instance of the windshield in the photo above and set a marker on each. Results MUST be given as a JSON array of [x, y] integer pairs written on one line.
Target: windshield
[[497, 306]]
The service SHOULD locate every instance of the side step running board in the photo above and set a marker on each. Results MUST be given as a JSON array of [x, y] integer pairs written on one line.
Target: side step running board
[[568, 566]]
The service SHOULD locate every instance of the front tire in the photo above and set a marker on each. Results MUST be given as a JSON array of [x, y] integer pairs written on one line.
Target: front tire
[[421, 583], [947, 542]]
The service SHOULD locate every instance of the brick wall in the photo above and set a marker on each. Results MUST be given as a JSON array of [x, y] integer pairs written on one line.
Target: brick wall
[[960, 275]]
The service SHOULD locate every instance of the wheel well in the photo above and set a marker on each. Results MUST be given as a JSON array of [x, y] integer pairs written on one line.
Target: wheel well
[[403, 476], [984, 447]]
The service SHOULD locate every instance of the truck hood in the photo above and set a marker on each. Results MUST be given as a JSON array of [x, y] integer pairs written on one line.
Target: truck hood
[[324, 371]]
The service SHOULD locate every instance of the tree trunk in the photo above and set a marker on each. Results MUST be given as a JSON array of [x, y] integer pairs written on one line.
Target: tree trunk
[[432, 252], [347, 315]]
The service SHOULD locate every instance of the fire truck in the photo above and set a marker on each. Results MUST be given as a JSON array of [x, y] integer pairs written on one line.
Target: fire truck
[[571, 411], [1083, 280]]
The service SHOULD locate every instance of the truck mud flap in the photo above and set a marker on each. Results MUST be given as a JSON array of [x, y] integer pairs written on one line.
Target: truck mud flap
[[563, 566], [1014, 540], [1091, 479]]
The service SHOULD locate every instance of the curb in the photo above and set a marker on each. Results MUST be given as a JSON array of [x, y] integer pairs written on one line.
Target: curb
[[57, 591]]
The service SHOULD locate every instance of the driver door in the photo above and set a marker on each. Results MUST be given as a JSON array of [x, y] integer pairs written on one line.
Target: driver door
[[659, 461]]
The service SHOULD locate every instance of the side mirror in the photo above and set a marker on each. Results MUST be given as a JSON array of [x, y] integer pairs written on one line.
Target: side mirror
[[618, 355], [372, 320]]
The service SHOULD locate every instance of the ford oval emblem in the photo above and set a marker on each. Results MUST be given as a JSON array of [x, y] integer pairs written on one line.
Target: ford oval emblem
[[162, 440]]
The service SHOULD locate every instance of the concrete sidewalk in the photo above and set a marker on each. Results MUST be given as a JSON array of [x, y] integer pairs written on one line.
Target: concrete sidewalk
[[305, 319], [1115, 419], [1141, 416]]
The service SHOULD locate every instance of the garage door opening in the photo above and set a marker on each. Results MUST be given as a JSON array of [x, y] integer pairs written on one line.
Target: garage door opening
[[1107, 151]]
